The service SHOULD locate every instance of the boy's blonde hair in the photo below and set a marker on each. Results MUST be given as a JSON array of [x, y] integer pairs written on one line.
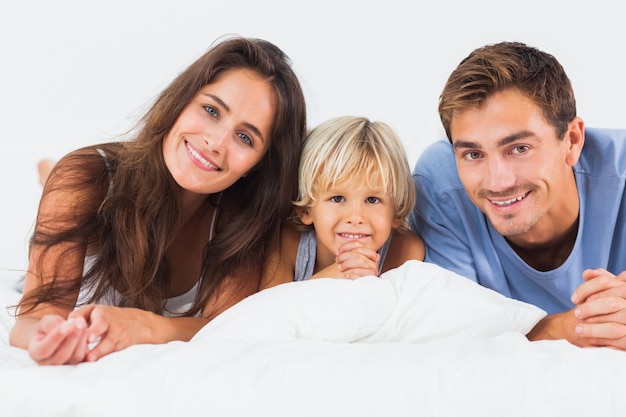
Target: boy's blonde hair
[[354, 147]]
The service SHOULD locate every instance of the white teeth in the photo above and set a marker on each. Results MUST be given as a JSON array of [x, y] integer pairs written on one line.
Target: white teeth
[[507, 202], [350, 236], [200, 158]]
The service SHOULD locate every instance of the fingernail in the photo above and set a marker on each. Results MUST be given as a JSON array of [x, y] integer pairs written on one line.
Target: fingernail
[[574, 298], [577, 313], [579, 329]]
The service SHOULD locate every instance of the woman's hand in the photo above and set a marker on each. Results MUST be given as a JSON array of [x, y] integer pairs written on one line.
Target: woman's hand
[[113, 328], [57, 341]]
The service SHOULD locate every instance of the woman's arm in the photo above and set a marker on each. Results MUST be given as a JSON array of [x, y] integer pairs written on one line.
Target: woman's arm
[[111, 328], [42, 329], [54, 272]]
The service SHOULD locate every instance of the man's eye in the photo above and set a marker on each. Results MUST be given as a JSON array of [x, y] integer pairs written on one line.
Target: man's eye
[[520, 149], [471, 156]]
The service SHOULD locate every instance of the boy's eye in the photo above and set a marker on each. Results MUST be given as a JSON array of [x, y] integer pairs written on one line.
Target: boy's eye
[[372, 200], [337, 199]]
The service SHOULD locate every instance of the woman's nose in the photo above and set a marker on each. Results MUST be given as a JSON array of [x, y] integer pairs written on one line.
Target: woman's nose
[[216, 139]]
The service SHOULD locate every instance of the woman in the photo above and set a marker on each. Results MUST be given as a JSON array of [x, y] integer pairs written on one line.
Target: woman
[[155, 236]]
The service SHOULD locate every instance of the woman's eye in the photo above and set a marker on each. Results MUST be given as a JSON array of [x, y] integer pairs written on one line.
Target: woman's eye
[[337, 199], [245, 139], [372, 200], [210, 110]]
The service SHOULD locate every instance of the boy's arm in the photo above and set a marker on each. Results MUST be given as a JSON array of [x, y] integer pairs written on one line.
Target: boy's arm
[[404, 247], [281, 263]]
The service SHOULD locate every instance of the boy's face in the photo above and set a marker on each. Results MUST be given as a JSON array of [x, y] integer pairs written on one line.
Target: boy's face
[[351, 210], [515, 169]]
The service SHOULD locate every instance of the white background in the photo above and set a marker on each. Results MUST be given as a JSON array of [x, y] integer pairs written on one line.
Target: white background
[[78, 72]]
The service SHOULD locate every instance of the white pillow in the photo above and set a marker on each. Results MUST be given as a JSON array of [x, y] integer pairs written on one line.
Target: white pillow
[[435, 303], [328, 309], [414, 303]]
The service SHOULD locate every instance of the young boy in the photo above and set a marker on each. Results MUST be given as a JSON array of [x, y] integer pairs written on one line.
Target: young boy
[[350, 220]]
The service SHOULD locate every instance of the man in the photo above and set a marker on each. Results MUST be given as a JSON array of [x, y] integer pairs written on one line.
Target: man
[[515, 202]]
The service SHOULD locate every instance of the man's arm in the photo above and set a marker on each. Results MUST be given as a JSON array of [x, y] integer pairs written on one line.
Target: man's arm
[[440, 223]]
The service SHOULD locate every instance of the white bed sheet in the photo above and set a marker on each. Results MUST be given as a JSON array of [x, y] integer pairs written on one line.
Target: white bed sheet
[[419, 341]]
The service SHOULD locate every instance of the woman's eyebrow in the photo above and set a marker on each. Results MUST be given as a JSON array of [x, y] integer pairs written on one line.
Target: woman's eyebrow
[[219, 100]]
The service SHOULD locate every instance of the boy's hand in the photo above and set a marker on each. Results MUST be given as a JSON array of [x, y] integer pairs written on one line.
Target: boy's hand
[[354, 260]]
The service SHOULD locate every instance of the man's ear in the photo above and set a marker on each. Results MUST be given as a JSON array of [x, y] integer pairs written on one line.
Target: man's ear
[[575, 136], [304, 215]]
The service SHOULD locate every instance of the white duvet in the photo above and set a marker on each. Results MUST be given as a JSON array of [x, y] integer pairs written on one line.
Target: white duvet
[[419, 341]]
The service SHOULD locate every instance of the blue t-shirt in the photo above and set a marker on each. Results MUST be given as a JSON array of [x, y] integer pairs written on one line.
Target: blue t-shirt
[[460, 237]]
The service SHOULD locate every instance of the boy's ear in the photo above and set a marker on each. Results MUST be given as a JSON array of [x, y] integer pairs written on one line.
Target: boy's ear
[[395, 223], [304, 215]]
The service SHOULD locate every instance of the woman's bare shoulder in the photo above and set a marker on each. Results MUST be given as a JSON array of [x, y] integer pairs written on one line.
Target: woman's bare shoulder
[[77, 181]]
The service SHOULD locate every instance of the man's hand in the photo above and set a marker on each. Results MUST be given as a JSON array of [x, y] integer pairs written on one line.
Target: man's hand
[[601, 309]]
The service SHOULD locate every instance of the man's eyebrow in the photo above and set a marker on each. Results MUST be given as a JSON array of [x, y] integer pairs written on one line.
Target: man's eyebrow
[[502, 142], [227, 108], [512, 138], [465, 144]]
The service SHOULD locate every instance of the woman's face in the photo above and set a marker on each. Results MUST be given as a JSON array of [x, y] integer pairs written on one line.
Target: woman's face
[[222, 133]]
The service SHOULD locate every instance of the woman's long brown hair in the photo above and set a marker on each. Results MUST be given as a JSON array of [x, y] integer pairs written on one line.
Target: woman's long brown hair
[[129, 210]]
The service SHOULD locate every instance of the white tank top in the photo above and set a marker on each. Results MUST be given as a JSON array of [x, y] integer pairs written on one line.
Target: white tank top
[[174, 306]]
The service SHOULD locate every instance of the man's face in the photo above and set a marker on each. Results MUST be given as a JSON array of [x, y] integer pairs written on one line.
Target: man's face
[[515, 169]]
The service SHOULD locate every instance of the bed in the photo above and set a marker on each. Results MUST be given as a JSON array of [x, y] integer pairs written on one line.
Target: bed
[[418, 341]]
